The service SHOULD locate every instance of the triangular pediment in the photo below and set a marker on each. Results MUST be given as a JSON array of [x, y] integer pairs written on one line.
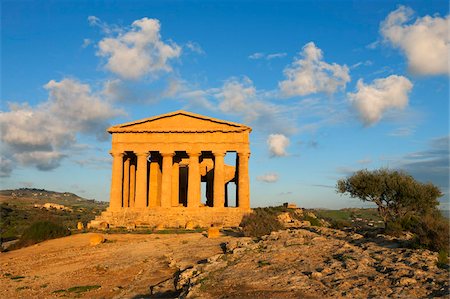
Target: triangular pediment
[[179, 122]]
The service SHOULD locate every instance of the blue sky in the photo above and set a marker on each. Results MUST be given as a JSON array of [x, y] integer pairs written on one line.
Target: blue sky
[[329, 87]]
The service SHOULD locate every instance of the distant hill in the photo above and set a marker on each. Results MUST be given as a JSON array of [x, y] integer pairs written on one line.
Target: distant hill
[[19, 208]]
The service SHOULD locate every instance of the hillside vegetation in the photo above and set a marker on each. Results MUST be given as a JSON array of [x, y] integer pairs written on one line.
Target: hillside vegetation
[[20, 208]]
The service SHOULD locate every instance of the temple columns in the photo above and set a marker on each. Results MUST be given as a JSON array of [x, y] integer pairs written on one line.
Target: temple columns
[[115, 202], [166, 196], [132, 181], [141, 180], [126, 182], [175, 182], [155, 173], [139, 183], [243, 181], [193, 200], [219, 179]]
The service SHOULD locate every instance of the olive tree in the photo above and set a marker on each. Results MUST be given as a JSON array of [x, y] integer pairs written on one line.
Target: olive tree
[[396, 193]]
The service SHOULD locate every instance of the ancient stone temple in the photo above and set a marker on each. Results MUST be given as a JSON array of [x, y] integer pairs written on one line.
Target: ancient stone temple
[[160, 163]]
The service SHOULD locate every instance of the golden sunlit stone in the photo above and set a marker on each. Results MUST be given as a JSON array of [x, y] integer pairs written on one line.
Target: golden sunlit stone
[[159, 164]]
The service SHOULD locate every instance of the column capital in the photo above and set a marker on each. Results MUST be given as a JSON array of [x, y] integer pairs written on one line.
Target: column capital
[[219, 153], [117, 154], [194, 154], [243, 154], [167, 154], [140, 154]]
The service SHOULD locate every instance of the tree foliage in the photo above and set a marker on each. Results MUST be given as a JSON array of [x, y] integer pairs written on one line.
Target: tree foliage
[[397, 194]]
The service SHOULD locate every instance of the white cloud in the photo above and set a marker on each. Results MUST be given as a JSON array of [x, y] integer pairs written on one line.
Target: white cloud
[[268, 178], [310, 74], [93, 21], [195, 47], [402, 132], [86, 43], [373, 100], [424, 42], [259, 55], [235, 95], [37, 136], [277, 144], [365, 161], [275, 55], [361, 63], [240, 97], [139, 51]]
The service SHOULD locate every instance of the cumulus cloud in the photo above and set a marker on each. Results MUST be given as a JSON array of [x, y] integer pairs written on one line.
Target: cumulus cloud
[[277, 144], [268, 178], [238, 96], [373, 100], [37, 136], [424, 42], [309, 74], [139, 51], [235, 95]]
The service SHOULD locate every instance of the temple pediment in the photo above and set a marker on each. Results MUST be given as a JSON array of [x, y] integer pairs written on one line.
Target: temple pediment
[[179, 122]]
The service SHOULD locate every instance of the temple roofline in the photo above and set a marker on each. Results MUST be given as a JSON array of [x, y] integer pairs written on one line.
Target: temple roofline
[[126, 127]]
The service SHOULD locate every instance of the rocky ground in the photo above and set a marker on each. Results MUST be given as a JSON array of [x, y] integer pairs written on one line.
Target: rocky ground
[[309, 262], [317, 263]]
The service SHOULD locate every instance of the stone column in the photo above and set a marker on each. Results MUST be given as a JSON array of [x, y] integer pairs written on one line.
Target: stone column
[[243, 182], [132, 182], [175, 182], [193, 200], [166, 188], [226, 194], [153, 197], [141, 180], [115, 201], [126, 182], [219, 180]]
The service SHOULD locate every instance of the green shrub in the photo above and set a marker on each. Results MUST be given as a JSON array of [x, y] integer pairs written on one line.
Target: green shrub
[[261, 222], [41, 231], [340, 223], [394, 228], [431, 231], [312, 220], [442, 261]]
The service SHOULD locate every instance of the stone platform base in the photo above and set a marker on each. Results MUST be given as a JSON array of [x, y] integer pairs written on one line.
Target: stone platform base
[[169, 218]]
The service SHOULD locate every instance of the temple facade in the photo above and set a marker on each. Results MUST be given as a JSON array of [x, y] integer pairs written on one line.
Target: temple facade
[[160, 163]]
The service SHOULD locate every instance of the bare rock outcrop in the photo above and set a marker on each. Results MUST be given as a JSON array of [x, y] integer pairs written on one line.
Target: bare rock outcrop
[[316, 262]]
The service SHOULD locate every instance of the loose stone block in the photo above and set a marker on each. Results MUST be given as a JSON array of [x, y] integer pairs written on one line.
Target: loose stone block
[[160, 226], [80, 226], [96, 239], [213, 232], [190, 225]]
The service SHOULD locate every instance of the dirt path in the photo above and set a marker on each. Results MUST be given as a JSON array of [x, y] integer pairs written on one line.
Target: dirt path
[[123, 267]]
